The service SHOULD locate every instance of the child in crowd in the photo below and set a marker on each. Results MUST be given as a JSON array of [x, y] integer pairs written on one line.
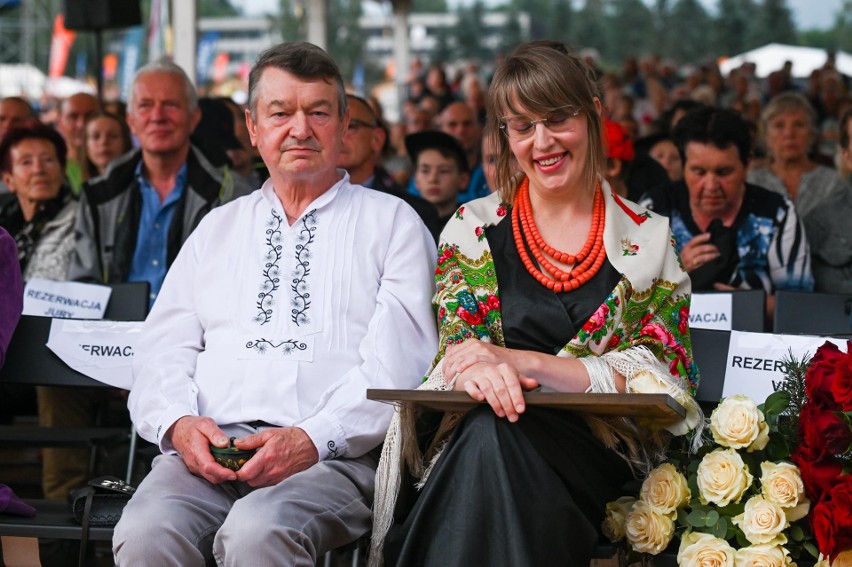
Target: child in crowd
[[440, 169]]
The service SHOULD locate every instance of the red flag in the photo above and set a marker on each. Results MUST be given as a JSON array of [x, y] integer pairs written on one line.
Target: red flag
[[60, 46]]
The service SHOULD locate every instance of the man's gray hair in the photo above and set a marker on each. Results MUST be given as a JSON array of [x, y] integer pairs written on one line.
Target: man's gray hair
[[302, 59], [166, 66]]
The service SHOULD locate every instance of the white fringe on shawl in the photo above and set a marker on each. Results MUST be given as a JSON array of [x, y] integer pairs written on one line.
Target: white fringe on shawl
[[644, 374]]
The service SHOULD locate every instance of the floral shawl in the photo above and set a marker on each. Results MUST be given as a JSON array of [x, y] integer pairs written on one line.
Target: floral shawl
[[649, 308]]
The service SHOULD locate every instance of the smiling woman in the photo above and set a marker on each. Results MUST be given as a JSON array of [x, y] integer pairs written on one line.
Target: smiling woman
[[553, 281], [39, 211]]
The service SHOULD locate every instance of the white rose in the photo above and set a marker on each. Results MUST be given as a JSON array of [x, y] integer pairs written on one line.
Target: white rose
[[762, 521], [723, 477], [616, 515], [704, 550], [763, 555], [648, 529], [737, 423], [665, 489], [782, 483], [647, 382]]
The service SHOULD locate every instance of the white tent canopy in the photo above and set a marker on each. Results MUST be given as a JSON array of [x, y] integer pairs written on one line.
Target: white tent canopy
[[771, 58], [24, 79]]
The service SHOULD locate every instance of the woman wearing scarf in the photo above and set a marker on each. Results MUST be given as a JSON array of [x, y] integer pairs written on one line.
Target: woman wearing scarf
[[553, 281]]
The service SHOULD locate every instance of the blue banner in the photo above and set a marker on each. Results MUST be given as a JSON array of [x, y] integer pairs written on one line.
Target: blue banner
[[130, 57], [205, 55]]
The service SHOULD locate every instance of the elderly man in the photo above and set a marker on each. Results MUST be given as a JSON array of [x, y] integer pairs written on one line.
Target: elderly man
[[134, 219], [14, 113], [74, 112], [279, 312], [359, 155], [730, 234]]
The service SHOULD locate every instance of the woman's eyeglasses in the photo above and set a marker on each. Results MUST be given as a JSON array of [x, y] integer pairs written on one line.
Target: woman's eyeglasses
[[557, 120]]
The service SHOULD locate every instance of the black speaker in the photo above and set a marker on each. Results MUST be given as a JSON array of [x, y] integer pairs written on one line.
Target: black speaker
[[91, 15]]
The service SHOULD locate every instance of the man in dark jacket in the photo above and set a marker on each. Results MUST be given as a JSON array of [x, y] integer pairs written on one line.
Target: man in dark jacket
[[134, 218], [359, 154]]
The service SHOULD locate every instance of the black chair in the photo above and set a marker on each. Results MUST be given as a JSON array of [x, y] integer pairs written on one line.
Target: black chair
[[30, 362], [710, 352], [812, 313], [748, 309]]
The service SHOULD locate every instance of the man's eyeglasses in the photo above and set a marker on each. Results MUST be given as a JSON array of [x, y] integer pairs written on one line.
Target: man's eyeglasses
[[557, 120], [355, 125]]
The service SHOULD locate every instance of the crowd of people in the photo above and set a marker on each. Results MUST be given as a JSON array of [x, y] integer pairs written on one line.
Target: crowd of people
[[290, 248]]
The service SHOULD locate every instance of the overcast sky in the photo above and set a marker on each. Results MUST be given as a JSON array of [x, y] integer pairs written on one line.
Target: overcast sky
[[808, 14]]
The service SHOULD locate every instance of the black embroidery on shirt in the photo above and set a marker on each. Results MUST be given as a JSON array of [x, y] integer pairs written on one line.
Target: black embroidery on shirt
[[301, 298], [265, 346], [271, 270], [332, 449]]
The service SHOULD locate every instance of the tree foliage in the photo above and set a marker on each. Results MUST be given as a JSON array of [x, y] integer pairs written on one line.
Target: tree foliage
[[216, 9]]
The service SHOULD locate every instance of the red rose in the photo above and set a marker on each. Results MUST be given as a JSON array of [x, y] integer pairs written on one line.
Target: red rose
[[832, 519], [824, 433], [478, 231], [821, 372], [501, 211], [819, 476], [841, 387]]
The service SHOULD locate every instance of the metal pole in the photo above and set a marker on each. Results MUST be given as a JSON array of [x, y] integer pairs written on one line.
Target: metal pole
[[185, 33], [316, 23]]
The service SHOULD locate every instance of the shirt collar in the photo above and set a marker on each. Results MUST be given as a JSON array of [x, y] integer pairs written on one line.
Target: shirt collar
[[327, 197], [180, 181]]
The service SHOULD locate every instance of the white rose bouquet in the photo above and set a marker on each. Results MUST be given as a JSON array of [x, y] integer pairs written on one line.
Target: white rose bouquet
[[738, 501]]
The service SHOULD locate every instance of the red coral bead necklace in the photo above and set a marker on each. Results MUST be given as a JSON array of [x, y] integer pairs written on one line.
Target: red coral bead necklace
[[587, 262]]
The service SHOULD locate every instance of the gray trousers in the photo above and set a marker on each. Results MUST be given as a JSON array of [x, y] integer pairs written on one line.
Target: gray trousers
[[176, 518]]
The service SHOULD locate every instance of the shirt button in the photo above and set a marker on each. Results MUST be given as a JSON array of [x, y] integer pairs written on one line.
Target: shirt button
[[155, 263], [157, 226], [153, 296]]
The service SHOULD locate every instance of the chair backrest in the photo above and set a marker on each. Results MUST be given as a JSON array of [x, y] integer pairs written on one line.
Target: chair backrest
[[748, 308], [128, 301], [29, 361], [811, 313], [710, 351]]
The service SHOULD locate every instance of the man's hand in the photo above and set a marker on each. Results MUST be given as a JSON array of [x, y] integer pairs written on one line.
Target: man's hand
[[191, 437], [698, 252], [281, 453]]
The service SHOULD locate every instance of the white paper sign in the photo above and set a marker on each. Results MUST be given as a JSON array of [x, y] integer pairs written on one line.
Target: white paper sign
[[755, 360], [710, 311], [65, 300], [102, 350]]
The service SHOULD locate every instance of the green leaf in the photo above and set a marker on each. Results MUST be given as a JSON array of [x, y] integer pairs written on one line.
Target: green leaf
[[733, 509], [812, 549], [776, 403], [777, 449], [697, 519], [796, 533], [721, 528], [711, 518]]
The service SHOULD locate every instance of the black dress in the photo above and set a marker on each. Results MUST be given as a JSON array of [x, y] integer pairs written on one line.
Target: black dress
[[531, 493]]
